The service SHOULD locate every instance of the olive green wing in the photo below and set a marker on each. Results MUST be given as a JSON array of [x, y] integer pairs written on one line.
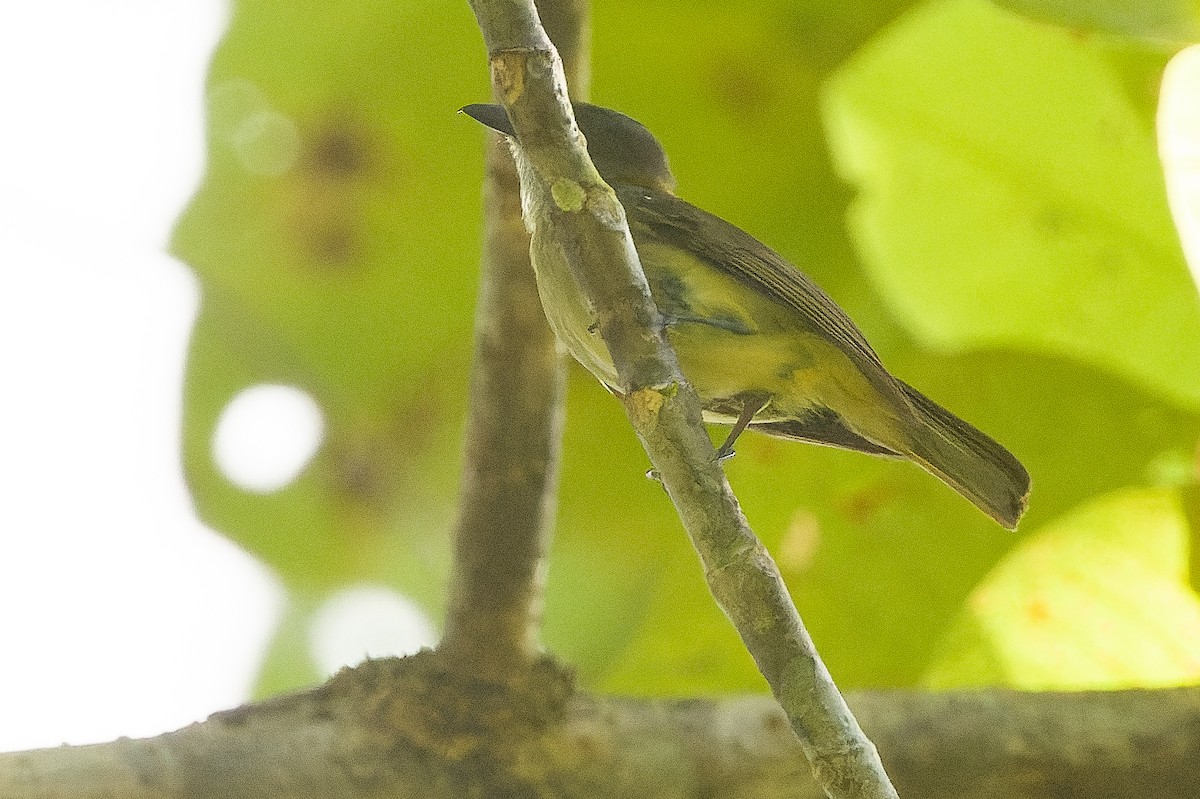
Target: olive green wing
[[968, 460], [665, 218]]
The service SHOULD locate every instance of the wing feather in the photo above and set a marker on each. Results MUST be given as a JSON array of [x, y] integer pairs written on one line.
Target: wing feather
[[669, 220]]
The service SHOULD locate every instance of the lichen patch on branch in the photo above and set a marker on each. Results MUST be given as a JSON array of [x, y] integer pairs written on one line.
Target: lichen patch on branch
[[646, 403], [508, 73], [568, 195]]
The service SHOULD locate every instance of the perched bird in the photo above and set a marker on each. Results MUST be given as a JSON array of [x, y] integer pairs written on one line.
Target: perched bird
[[762, 345]]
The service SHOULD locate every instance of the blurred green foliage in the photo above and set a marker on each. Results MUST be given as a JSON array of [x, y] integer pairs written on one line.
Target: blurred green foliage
[[1009, 252], [1012, 195], [1056, 614], [1167, 22]]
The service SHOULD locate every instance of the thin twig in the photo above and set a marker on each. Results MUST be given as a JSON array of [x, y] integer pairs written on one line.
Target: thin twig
[[514, 426], [589, 224]]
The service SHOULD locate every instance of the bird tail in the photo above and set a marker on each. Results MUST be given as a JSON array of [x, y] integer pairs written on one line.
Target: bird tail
[[967, 460]]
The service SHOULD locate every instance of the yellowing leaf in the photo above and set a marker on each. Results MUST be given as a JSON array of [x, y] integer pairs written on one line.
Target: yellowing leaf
[[1011, 195], [1098, 599]]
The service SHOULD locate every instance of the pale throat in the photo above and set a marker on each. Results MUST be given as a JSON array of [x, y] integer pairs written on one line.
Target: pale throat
[[533, 195]]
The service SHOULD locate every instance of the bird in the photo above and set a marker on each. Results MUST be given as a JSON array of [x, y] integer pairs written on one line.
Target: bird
[[762, 345]]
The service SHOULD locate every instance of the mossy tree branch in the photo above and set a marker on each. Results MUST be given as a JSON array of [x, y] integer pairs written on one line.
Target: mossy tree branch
[[589, 224], [414, 728]]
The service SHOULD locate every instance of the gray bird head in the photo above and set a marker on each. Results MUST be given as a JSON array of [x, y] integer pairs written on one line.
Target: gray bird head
[[620, 147]]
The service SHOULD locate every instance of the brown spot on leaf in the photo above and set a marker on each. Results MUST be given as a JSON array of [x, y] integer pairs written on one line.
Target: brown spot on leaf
[[338, 151], [332, 243], [740, 84], [359, 474], [323, 228], [765, 450], [1038, 610], [327, 193], [862, 505], [372, 462]]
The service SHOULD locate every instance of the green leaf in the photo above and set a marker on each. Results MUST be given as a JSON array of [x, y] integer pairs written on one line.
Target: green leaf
[[1097, 599], [288, 664], [336, 252], [1174, 22], [1010, 195], [880, 556], [336, 240]]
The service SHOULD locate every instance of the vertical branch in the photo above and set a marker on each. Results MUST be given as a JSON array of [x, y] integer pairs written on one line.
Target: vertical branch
[[514, 424], [589, 224]]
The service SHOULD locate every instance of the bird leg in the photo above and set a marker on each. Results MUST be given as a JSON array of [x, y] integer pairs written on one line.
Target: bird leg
[[751, 404]]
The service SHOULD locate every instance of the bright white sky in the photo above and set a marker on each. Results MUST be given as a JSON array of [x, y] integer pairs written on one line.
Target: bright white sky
[[1179, 147], [120, 614]]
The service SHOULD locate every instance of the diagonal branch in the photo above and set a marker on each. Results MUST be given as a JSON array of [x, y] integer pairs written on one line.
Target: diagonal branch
[[514, 426], [589, 224]]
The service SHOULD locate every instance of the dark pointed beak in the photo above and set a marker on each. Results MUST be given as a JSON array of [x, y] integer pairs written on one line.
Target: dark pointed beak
[[493, 116]]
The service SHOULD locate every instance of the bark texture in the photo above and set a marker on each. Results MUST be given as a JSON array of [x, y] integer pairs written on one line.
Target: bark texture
[[514, 424], [417, 728]]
